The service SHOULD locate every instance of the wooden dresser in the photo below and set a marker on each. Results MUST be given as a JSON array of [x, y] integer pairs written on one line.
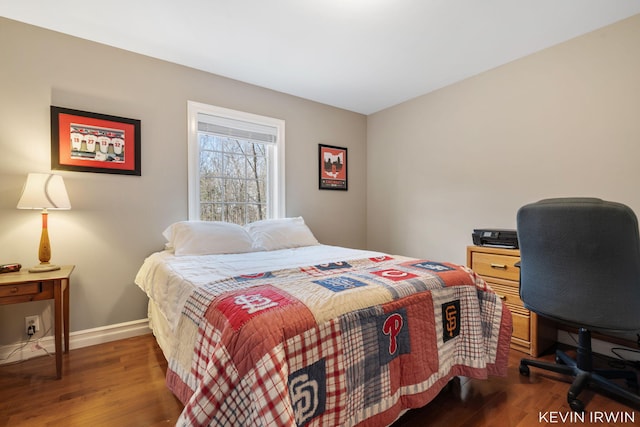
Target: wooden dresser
[[531, 334]]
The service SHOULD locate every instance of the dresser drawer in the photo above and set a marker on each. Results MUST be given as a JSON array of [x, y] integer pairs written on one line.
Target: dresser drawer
[[521, 326], [493, 265], [20, 289], [508, 293]]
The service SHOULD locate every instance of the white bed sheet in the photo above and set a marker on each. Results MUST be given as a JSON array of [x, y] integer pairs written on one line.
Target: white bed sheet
[[160, 329], [168, 280]]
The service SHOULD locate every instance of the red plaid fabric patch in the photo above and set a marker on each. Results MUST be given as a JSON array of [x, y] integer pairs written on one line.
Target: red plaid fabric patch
[[320, 343]]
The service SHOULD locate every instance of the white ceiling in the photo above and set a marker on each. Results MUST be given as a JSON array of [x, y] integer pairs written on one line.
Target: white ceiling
[[360, 55]]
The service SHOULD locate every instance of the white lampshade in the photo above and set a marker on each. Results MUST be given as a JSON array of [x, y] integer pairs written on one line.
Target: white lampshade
[[44, 191]]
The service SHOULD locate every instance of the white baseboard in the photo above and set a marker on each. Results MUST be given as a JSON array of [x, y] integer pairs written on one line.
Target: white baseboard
[[27, 349], [601, 347], [40, 346]]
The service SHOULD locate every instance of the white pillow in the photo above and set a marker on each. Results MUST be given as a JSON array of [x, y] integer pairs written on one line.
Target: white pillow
[[207, 238], [272, 234]]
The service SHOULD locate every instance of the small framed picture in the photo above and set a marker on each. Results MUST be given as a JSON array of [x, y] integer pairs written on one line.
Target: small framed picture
[[333, 167], [90, 142]]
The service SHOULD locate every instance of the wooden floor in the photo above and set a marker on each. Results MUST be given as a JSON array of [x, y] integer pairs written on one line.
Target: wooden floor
[[122, 384]]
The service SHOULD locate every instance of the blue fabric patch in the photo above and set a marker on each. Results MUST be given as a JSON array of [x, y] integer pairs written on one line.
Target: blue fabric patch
[[432, 266], [308, 392], [368, 326], [369, 371], [393, 335], [333, 266], [487, 302], [339, 283]]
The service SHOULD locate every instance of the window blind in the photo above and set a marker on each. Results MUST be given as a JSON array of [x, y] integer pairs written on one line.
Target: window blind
[[224, 126]]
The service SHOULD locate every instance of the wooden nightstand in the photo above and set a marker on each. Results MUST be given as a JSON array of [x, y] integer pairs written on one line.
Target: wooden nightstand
[[531, 334], [23, 286]]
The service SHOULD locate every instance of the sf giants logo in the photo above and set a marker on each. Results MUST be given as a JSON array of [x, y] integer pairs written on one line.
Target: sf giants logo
[[392, 327], [450, 320]]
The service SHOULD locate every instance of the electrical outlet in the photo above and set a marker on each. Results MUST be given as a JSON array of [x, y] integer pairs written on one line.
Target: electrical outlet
[[31, 324]]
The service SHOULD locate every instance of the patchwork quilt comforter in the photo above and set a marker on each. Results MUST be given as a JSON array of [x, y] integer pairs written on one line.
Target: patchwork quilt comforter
[[338, 344]]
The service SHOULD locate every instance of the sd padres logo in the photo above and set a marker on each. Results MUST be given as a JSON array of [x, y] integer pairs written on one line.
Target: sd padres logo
[[307, 390]]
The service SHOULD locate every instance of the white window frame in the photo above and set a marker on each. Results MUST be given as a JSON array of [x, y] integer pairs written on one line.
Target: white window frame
[[276, 164]]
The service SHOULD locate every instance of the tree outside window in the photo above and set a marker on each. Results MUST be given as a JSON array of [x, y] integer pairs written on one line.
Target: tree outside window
[[236, 165]]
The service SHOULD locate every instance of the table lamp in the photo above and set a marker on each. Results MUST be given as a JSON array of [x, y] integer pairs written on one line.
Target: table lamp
[[44, 191]]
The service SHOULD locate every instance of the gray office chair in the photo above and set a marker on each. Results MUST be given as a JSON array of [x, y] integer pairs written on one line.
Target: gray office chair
[[580, 265]]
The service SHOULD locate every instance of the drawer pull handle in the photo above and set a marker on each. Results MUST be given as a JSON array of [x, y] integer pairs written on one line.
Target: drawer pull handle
[[502, 297], [14, 290], [499, 266]]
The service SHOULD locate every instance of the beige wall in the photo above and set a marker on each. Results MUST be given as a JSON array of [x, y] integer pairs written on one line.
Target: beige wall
[[116, 220], [562, 122]]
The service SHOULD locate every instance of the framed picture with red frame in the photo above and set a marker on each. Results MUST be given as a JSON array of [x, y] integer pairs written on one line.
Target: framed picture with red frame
[[333, 167], [90, 142]]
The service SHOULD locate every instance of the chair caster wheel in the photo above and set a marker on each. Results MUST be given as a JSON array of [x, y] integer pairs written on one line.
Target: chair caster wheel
[[524, 370], [576, 405]]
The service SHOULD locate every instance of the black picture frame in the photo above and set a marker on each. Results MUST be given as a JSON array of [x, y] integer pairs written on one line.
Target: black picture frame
[[333, 168], [83, 141]]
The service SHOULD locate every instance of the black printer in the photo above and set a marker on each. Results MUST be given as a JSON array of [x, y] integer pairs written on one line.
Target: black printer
[[498, 238]]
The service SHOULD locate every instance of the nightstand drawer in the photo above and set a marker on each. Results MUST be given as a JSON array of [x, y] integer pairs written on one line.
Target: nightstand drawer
[[20, 289], [492, 265]]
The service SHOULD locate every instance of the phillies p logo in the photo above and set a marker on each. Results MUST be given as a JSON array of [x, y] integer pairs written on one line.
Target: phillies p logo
[[393, 335]]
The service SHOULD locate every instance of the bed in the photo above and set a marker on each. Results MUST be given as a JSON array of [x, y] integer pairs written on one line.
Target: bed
[[262, 325]]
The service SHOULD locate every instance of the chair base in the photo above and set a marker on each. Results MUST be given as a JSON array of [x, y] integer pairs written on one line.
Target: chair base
[[584, 375]]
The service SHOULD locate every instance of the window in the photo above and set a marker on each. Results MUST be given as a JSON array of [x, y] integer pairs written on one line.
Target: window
[[236, 165]]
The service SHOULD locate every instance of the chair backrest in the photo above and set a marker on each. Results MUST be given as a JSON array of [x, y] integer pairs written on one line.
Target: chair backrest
[[580, 262]]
